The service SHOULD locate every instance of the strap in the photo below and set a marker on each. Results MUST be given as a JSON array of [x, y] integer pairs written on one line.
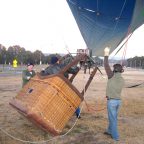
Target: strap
[[89, 80], [73, 76], [74, 62]]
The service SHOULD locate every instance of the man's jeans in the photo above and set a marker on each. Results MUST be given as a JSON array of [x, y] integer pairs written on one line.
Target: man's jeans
[[77, 112], [113, 107]]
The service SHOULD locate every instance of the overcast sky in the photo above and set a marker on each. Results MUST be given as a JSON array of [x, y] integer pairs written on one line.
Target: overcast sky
[[134, 46], [49, 26]]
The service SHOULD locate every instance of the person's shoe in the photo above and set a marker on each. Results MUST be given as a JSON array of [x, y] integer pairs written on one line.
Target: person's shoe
[[78, 116], [115, 139], [106, 133]]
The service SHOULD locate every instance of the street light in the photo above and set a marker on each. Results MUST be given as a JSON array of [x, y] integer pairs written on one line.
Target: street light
[[40, 59]]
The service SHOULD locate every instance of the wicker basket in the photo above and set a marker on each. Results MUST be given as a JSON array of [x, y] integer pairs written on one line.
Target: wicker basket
[[48, 102]]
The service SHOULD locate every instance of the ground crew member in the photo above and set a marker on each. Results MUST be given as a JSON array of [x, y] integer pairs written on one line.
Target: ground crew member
[[113, 93]]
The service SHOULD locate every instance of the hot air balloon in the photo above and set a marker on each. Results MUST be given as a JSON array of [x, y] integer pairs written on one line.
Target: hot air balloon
[[105, 23], [50, 101]]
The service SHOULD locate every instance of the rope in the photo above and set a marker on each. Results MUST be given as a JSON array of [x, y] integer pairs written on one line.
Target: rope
[[141, 14], [7, 89], [88, 107], [44, 141], [135, 85], [118, 17], [123, 45], [35, 142], [125, 49], [117, 20], [97, 10], [93, 109]]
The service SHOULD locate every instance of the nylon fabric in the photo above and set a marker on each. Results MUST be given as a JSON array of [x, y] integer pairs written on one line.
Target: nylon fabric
[[106, 23]]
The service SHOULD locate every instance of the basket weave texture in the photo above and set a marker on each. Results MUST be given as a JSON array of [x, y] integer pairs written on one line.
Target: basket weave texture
[[49, 103]]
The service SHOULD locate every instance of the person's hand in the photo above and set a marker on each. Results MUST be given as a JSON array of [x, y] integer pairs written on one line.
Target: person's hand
[[43, 69], [28, 77], [106, 51]]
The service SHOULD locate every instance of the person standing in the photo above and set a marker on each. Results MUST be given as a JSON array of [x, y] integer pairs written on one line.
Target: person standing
[[113, 94], [85, 67], [28, 73]]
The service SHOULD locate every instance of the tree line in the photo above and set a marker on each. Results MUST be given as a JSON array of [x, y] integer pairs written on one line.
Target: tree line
[[22, 55], [136, 62]]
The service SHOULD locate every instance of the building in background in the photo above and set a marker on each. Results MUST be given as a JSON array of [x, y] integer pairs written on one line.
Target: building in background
[[84, 51]]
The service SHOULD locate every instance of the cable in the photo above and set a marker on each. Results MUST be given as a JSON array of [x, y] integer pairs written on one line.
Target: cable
[[38, 142], [96, 110], [44, 141], [118, 18], [7, 89], [135, 85], [123, 45]]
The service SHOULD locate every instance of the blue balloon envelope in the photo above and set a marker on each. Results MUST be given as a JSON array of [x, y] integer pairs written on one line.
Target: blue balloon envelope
[[105, 23]]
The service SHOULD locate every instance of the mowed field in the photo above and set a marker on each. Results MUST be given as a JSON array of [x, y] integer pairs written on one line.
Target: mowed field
[[16, 129]]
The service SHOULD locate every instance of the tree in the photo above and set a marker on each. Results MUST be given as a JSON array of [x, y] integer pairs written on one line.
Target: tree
[[12, 53], [28, 57], [137, 62], [21, 55], [3, 54], [38, 56]]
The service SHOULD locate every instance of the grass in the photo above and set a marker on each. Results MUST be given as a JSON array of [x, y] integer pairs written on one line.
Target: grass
[[89, 129]]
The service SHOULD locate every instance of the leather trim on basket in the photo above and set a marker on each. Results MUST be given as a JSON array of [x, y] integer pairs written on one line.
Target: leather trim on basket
[[33, 118], [40, 123], [18, 105]]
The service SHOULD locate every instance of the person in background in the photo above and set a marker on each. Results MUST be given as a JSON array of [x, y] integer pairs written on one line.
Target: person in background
[[89, 65], [113, 94], [85, 67], [28, 73], [54, 68]]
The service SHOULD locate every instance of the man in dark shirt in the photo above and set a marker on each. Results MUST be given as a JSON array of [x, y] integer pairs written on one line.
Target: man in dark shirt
[[53, 68]]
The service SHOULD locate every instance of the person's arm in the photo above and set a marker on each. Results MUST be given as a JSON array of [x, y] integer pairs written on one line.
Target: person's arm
[[34, 73], [25, 78], [24, 75], [45, 72], [108, 70]]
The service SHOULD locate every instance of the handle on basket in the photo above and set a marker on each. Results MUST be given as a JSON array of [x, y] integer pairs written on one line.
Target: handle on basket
[[74, 62], [89, 80], [73, 76]]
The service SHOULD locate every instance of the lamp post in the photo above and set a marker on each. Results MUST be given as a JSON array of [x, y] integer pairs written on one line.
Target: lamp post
[[40, 59]]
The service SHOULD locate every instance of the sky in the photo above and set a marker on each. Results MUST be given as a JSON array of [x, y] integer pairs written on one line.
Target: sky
[[134, 46], [49, 26]]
